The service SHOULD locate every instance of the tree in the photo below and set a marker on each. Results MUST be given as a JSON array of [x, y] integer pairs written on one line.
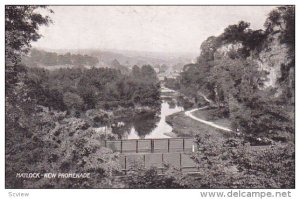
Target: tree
[[254, 110], [136, 71], [235, 33], [23, 144], [21, 28], [241, 32], [208, 48], [72, 101], [148, 74]]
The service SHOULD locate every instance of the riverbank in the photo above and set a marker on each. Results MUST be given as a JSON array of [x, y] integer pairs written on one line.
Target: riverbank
[[197, 122], [184, 126], [208, 114]]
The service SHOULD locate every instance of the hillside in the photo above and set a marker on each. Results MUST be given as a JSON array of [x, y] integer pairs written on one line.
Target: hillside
[[249, 76]]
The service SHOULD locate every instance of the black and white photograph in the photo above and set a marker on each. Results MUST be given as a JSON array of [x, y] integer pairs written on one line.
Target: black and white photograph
[[149, 97]]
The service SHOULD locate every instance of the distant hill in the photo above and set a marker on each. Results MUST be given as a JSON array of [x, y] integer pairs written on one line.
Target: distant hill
[[131, 58], [119, 59], [53, 60]]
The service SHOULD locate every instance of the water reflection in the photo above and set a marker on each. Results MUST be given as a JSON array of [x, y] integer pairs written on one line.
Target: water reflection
[[144, 123], [152, 123], [153, 126]]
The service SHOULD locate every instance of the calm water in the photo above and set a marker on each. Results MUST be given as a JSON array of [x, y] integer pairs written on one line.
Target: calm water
[[149, 124], [161, 127]]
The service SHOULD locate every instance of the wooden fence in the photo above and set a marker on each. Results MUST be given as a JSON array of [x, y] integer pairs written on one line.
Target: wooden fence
[[180, 161], [163, 145]]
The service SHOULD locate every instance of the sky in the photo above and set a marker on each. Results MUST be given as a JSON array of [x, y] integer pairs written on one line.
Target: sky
[[168, 29]]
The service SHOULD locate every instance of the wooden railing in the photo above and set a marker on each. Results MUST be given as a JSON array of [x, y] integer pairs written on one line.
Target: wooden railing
[[163, 145]]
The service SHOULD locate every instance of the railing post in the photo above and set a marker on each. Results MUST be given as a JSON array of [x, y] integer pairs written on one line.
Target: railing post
[[183, 144], [125, 164], [168, 145], [121, 146], [145, 160], [180, 166], [162, 164], [105, 144], [137, 146], [152, 146]]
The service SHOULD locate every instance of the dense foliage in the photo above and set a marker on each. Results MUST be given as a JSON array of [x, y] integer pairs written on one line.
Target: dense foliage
[[22, 142], [21, 27], [142, 178], [235, 164], [82, 89]]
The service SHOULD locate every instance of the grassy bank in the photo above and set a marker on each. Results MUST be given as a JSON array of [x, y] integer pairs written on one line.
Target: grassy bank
[[208, 114], [183, 126]]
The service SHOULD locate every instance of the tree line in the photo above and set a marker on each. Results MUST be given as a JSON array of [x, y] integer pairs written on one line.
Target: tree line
[[79, 89], [39, 57]]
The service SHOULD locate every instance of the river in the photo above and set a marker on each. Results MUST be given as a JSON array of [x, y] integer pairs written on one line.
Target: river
[[162, 129], [149, 124]]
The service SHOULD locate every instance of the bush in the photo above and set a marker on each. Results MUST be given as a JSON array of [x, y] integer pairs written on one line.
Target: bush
[[234, 164]]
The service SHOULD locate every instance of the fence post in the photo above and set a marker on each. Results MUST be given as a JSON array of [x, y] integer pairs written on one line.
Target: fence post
[[162, 163], [183, 144], [145, 160], [168, 145], [137, 146], [121, 146], [125, 164], [180, 164], [152, 145], [105, 144]]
